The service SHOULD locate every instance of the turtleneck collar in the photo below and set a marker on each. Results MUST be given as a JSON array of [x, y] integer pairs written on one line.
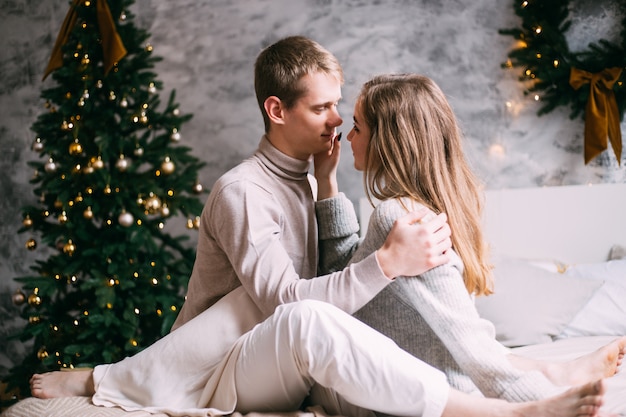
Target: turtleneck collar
[[281, 164]]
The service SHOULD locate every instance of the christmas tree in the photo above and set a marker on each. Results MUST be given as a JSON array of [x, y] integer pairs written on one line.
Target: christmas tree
[[111, 172]]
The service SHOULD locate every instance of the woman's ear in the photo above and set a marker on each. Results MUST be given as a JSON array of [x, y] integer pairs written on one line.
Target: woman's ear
[[274, 109]]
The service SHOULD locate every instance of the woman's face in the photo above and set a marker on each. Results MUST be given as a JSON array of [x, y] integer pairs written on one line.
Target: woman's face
[[359, 137]]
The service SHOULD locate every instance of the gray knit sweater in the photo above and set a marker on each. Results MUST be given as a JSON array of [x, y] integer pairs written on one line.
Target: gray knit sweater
[[432, 316]]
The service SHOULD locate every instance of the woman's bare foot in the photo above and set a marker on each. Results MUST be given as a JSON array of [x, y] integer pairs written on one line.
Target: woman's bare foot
[[74, 383], [602, 363], [580, 401]]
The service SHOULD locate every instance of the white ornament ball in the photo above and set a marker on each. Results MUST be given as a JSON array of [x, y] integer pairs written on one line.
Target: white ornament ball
[[126, 219]]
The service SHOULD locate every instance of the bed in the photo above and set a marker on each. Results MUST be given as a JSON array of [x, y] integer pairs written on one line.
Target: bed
[[560, 267]]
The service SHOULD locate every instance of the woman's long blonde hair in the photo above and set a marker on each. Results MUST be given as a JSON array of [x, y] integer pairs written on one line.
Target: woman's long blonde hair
[[415, 151]]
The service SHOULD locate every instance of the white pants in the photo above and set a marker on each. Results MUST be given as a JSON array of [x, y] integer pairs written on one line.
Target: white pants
[[307, 347], [314, 344]]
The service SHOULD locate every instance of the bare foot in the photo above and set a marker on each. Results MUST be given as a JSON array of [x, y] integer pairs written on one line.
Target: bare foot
[[602, 363], [74, 383], [582, 401]]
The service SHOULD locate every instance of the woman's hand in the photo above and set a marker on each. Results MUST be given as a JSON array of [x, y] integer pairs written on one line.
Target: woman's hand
[[325, 170]]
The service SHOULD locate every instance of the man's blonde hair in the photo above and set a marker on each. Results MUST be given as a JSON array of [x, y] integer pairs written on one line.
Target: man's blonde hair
[[279, 69]]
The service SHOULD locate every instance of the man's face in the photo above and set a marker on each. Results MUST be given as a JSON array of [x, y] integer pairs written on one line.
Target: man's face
[[311, 123]]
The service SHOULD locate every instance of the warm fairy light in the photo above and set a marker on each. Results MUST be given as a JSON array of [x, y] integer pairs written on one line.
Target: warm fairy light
[[536, 97], [136, 311], [555, 63], [538, 30], [538, 55], [525, 3]]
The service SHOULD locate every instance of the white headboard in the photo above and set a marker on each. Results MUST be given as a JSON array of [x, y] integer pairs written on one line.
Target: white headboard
[[571, 224]]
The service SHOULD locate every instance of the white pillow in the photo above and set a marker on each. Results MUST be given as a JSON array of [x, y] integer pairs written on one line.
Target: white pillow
[[605, 313], [532, 305]]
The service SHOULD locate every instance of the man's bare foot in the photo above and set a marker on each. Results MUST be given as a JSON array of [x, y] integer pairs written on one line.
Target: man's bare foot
[[581, 401], [74, 383], [602, 363]]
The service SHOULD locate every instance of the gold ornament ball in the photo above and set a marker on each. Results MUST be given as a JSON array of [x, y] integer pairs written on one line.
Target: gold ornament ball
[[165, 210], [175, 136], [125, 219], [42, 353], [76, 148], [197, 188], [18, 297], [138, 151], [34, 300], [167, 166], [34, 319], [31, 244], [63, 218], [69, 248], [27, 222], [152, 204], [88, 213]]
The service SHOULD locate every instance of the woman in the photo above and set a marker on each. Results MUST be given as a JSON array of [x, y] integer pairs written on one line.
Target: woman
[[407, 142]]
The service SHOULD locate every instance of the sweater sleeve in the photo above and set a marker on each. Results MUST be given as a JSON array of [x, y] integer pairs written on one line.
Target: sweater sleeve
[[338, 232], [247, 223], [441, 298]]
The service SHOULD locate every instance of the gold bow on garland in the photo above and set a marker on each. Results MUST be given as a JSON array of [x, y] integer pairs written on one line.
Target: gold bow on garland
[[602, 118], [112, 46]]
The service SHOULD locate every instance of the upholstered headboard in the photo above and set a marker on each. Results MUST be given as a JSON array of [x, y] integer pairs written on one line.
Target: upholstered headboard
[[578, 223]]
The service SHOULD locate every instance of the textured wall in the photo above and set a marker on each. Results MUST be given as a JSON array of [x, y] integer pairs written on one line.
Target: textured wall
[[209, 48]]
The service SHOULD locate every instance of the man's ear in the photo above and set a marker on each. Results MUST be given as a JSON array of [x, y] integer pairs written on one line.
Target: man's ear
[[274, 109]]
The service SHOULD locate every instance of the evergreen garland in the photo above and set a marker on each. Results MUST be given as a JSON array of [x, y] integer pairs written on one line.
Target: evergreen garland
[[546, 59]]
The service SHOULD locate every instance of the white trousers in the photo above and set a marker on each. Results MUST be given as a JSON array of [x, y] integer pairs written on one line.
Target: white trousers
[[311, 344], [223, 361]]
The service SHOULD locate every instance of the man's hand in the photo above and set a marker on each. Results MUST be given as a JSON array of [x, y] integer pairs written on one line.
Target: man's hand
[[415, 245]]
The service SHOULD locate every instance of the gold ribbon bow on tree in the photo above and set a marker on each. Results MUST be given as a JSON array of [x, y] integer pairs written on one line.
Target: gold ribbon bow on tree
[[602, 118], [112, 47]]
